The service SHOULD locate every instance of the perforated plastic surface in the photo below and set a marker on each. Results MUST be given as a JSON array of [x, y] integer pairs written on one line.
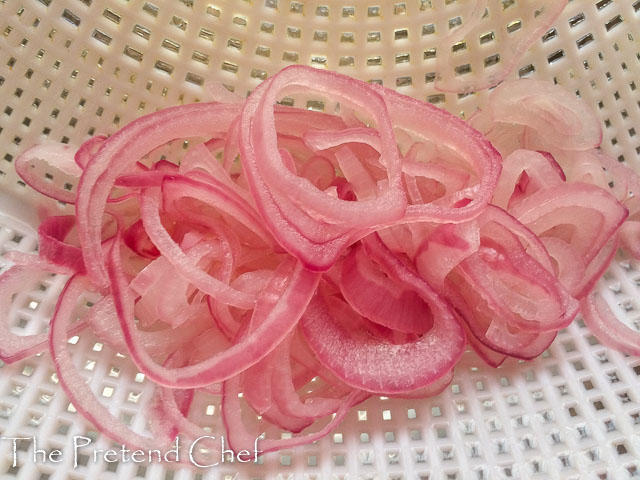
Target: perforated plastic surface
[[73, 68]]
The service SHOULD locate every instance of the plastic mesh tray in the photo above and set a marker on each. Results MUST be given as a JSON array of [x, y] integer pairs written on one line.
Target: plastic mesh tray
[[73, 68]]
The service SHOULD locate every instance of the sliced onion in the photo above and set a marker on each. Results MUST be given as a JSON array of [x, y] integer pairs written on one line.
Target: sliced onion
[[409, 114], [607, 328], [48, 168], [315, 259], [592, 214], [122, 150], [379, 298], [74, 384], [554, 114], [276, 312], [51, 235], [264, 168]]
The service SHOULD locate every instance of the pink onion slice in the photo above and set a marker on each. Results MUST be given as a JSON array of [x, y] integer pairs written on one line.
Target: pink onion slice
[[539, 170], [258, 382], [593, 215], [444, 249], [103, 316], [444, 128], [125, 148], [87, 150], [372, 364], [607, 328], [556, 116], [240, 438], [375, 296], [630, 238], [570, 265], [34, 261], [500, 270], [173, 406], [52, 247], [319, 171], [217, 195], [267, 174], [150, 212], [289, 401], [596, 268], [502, 338], [48, 168], [491, 357], [431, 390]]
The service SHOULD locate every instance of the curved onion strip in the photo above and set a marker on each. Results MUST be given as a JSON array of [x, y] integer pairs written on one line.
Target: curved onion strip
[[490, 357], [262, 399], [319, 171], [325, 139], [74, 384], [444, 249], [87, 150], [150, 213], [431, 390], [630, 238], [56, 160], [442, 127], [553, 112], [534, 166], [372, 364], [379, 298], [51, 246], [479, 319], [103, 317], [214, 193], [34, 261], [595, 213], [571, 268], [519, 290], [165, 405], [284, 391], [596, 268], [607, 328]]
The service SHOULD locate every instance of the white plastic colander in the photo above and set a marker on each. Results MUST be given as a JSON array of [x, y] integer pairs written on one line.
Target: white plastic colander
[[73, 68]]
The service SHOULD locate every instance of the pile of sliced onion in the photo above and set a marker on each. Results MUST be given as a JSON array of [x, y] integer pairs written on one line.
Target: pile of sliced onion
[[309, 260]]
